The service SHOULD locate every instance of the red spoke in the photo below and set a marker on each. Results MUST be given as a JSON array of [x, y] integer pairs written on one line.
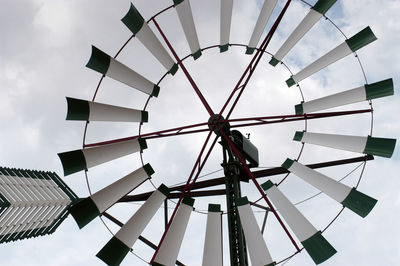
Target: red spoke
[[250, 175], [292, 118], [262, 120], [161, 133], [251, 68], [199, 166], [196, 89]]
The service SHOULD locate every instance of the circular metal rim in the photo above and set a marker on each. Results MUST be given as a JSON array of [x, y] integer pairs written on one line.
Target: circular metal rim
[[283, 261]]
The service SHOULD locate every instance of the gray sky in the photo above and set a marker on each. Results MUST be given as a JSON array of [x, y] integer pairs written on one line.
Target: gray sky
[[43, 51]]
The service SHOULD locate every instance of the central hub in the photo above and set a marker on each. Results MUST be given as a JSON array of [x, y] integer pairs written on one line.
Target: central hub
[[217, 123]]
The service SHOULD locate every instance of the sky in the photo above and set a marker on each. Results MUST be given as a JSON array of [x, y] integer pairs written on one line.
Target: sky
[[45, 46]]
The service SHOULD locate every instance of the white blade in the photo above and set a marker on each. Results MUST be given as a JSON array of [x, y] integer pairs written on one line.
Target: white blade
[[341, 142], [305, 25], [78, 160], [89, 208], [110, 67], [212, 255], [351, 45], [366, 92], [91, 111], [320, 249], [225, 24], [186, 18], [338, 99], [315, 13], [169, 249], [347, 196], [368, 145], [259, 254], [107, 196], [301, 227], [136, 24], [116, 249], [262, 20]]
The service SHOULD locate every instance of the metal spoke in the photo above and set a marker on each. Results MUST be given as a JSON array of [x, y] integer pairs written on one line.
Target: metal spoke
[[253, 64], [250, 175], [141, 238], [256, 121], [199, 164], [257, 174], [180, 63]]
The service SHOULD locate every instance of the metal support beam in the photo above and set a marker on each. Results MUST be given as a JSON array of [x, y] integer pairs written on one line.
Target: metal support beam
[[257, 174], [237, 242]]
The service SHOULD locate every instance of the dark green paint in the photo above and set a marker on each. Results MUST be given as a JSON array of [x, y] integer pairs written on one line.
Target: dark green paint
[[250, 50], [379, 89], [223, 48], [145, 116], [214, 207], [133, 20], [142, 144], [287, 164], [173, 69], [318, 248], [156, 91], [380, 146], [242, 201], [73, 161], [299, 109], [149, 170], [177, 2], [197, 54], [77, 109], [163, 189], [84, 211], [361, 39], [273, 61], [113, 252], [267, 185], [188, 201], [298, 136], [290, 82], [322, 6], [99, 61], [359, 202]]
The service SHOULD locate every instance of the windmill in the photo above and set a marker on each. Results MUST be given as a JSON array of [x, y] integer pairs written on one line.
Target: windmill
[[240, 153]]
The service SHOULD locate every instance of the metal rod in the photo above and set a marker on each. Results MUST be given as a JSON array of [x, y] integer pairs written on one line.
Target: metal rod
[[256, 59], [264, 222], [186, 187], [256, 174], [261, 120], [190, 79], [166, 212], [141, 238], [250, 175]]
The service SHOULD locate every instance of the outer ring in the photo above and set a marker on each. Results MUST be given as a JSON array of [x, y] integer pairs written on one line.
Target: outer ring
[[302, 96]]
